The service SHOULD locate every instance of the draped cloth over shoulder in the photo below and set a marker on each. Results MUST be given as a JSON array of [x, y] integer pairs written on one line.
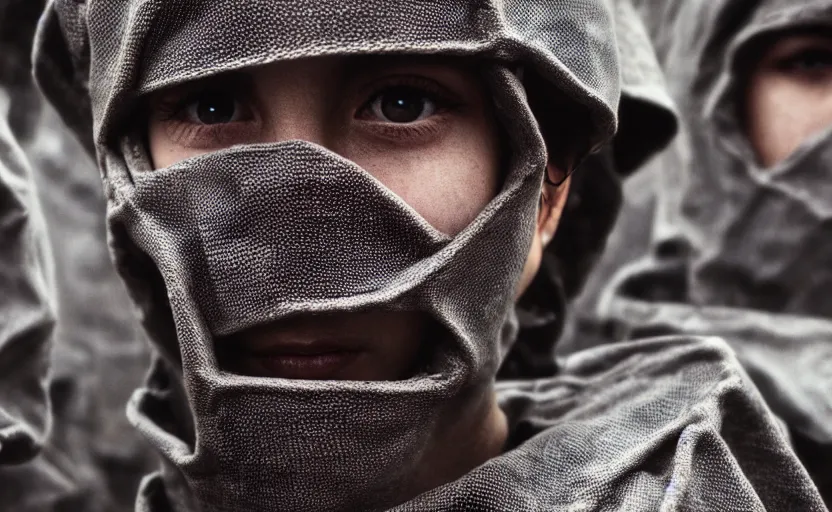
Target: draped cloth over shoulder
[[225, 241], [712, 243]]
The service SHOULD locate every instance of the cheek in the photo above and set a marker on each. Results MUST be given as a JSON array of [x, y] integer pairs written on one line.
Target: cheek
[[163, 150], [448, 182], [783, 113]]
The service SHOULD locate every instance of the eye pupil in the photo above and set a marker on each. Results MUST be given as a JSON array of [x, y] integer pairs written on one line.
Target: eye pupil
[[215, 108], [402, 106]]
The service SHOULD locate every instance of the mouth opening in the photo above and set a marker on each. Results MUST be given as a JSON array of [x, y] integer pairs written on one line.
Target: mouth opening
[[369, 345]]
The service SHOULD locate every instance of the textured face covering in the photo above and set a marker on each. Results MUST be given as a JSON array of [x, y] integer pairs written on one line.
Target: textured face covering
[[736, 250], [239, 238]]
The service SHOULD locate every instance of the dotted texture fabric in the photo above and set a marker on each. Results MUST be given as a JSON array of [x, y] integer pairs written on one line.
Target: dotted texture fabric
[[665, 424], [711, 243], [189, 243]]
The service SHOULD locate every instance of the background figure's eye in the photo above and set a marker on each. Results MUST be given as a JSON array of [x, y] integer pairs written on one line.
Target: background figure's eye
[[812, 60], [214, 107], [402, 105]]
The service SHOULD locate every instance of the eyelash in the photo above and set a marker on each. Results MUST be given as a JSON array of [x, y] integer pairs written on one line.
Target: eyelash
[[172, 112], [445, 102], [794, 62]]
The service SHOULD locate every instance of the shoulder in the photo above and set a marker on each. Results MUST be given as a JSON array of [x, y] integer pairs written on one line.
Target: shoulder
[[667, 423], [677, 371]]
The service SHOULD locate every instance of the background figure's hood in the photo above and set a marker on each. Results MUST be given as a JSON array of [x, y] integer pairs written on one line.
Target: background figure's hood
[[261, 444], [93, 459], [710, 243], [647, 124], [26, 302], [751, 237]]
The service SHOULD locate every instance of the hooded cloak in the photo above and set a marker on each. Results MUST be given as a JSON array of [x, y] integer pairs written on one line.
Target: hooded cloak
[[27, 302], [208, 247], [92, 459], [98, 348], [712, 243]]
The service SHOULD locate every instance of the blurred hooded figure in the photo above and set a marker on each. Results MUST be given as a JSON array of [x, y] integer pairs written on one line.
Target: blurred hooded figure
[[727, 233], [325, 219], [27, 300], [92, 459]]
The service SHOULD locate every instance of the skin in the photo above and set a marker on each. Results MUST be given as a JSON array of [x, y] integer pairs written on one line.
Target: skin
[[789, 95], [349, 105]]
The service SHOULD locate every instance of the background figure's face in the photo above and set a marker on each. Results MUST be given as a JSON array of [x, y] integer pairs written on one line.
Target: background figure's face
[[422, 127], [789, 95]]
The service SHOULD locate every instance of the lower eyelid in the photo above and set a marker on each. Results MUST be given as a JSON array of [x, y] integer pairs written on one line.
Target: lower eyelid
[[406, 134], [219, 136]]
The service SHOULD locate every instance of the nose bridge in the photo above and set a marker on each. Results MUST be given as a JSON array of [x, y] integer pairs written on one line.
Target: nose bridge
[[296, 103]]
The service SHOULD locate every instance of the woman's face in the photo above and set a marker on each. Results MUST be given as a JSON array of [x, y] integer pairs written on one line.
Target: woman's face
[[422, 127], [789, 95]]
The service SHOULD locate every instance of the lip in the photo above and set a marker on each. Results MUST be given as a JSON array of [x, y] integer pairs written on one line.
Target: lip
[[324, 360], [304, 366]]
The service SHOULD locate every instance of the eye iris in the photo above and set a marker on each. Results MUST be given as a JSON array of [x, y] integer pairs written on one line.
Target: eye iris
[[402, 106], [215, 109]]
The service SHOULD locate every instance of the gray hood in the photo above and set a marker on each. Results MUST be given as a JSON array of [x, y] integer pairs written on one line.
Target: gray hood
[[27, 304], [173, 229], [711, 243]]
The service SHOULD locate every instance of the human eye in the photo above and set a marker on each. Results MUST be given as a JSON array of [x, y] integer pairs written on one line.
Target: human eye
[[804, 56], [810, 60], [213, 107], [404, 108], [206, 116], [402, 104]]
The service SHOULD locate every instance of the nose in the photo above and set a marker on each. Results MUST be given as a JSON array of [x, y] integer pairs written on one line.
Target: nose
[[299, 105]]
